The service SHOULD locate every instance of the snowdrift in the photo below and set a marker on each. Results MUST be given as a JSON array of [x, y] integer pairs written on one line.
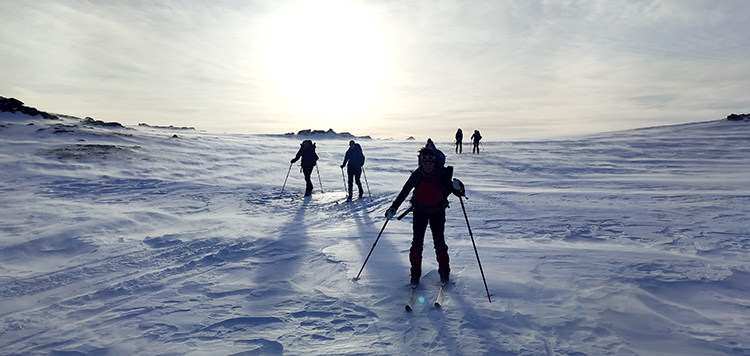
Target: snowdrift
[[137, 241]]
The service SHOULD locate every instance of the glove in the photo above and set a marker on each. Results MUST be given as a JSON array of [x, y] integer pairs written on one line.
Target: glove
[[458, 188], [342, 166], [390, 213], [293, 160]]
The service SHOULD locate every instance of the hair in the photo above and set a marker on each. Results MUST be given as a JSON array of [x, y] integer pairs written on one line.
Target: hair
[[426, 151]]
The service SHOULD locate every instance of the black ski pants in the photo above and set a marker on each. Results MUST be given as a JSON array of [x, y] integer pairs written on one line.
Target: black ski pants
[[437, 226], [354, 173], [307, 171]]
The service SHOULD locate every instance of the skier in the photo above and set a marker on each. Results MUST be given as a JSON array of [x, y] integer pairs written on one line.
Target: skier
[[432, 185], [309, 159], [459, 141], [356, 160], [476, 137]]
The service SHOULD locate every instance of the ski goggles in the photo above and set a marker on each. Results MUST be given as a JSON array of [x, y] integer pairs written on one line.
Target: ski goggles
[[428, 158]]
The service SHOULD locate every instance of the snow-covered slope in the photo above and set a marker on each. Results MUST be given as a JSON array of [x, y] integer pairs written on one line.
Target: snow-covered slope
[[135, 242]]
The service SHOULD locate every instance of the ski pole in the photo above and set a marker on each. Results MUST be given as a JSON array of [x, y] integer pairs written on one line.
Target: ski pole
[[373, 247], [367, 183], [319, 180], [406, 212], [287, 177], [489, 296], [343, 178]]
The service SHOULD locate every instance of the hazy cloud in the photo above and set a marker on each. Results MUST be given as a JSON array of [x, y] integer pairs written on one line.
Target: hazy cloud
[[512, 68]]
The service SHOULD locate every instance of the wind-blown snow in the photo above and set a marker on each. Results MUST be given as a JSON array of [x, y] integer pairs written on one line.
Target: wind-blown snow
[[135, 242]]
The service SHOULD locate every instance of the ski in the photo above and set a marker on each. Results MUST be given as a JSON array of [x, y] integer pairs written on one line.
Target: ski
[[298, 196], [441, 295], [412, 297]]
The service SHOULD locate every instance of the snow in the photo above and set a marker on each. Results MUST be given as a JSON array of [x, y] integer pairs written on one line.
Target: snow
[[134, 242]]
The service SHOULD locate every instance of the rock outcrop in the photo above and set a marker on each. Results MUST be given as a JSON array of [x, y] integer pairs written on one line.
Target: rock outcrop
[[738, 117], [16, 106], [329, 133]]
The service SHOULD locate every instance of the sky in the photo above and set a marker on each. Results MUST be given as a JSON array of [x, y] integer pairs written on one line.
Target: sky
[[513, 69]]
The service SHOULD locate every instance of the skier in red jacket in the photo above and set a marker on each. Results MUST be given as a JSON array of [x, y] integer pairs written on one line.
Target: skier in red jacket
[[432, 185]]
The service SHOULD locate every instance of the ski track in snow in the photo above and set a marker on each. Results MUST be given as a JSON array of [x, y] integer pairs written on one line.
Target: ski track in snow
[[134, 242]]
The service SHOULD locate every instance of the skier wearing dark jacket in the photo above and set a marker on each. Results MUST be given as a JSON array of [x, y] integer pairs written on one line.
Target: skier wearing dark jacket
[[356, 160], [475, 138], [459, 141], [432, 185], [309, 159]]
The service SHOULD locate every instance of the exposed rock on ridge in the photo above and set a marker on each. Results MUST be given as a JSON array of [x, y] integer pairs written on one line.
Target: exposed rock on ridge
[[14, 105], [330, 132]]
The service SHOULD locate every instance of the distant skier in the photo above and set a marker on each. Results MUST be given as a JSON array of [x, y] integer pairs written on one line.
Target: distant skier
[[475, 138], [309, 160], [440, 161], [459, 141], [356, 160], [431, 184]]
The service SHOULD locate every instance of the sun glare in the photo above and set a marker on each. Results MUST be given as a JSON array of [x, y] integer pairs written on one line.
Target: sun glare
[[327, 58]]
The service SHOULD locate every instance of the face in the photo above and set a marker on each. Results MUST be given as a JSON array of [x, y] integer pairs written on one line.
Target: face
[[428, 163]]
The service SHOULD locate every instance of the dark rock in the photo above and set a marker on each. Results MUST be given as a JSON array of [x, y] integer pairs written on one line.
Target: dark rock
[[90, 121], [14, 105], [740, 117], [170, 127], [10, 104], [330, 132]]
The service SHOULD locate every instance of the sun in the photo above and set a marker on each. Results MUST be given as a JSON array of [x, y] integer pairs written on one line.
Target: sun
[[327, 58]]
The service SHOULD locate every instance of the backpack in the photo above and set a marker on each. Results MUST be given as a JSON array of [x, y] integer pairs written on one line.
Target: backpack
[[357, 158], [309, 157]]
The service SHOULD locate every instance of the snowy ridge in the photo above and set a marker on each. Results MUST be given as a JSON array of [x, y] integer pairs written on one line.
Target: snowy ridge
[[131, 241]]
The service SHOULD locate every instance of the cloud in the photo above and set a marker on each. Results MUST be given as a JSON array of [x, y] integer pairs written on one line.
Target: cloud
[[544, 66]]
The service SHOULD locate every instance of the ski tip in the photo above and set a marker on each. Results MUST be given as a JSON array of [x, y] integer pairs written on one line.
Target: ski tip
[[408, 307], [437, 304]]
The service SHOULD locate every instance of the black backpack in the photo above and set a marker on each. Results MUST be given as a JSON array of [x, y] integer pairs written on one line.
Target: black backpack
[[357, 158]]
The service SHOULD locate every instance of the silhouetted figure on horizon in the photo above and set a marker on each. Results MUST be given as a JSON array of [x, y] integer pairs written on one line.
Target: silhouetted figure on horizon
[[459, 139], [475, 138]]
